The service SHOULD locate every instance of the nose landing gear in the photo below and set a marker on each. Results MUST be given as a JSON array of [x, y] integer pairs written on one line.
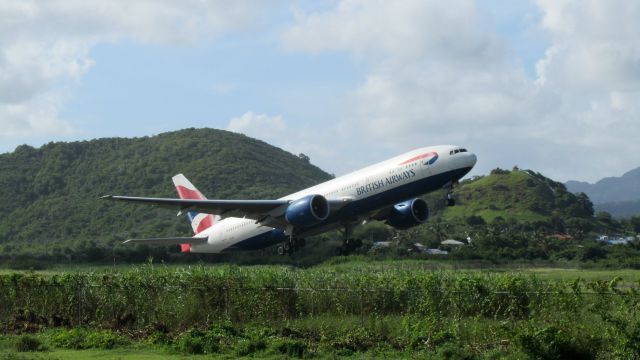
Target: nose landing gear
[[451, 201]]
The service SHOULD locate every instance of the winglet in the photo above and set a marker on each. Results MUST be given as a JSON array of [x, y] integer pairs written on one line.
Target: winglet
[[105, 197]]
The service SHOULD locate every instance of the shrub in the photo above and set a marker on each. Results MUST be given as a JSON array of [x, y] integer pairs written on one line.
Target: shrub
[[69, 339], [29, 343], [451, 351], [249, 346], [104, 339], [553, 343], [190, 342], [80, 338], [289, 347], [195, 341]]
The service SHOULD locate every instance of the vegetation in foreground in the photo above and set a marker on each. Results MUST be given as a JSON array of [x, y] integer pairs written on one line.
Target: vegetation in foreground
[[328, 311]]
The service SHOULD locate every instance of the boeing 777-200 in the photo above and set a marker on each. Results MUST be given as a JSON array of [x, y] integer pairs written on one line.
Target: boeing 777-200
[[387, 191]]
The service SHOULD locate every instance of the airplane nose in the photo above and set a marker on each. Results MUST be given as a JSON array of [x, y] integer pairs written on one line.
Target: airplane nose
[[471, 159]]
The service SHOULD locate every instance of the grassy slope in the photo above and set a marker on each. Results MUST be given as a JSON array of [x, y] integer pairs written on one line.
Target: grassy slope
[[516, 195]]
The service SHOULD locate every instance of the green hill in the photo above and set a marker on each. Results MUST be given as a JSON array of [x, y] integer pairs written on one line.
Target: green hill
[[519, 194], [49, 195]]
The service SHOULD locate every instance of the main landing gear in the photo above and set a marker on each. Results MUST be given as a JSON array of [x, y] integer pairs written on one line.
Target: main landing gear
[[349, 244], [291, 245]]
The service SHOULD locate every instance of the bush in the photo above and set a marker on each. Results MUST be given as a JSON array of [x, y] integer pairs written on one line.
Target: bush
[[194, 341], [69, 339], [104, 339], [451, 351], [80, 338], [249, 346], [29, 343], [553, 343], [190, 342], [289, 347]]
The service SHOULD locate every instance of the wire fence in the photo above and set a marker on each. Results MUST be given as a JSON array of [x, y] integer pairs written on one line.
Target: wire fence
[[118, 305]]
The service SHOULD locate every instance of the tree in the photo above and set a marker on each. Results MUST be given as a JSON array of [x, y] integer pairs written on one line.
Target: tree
[[304, 157], [475, 220]]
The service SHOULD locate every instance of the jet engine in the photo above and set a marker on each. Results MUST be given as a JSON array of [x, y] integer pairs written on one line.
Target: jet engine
[[307, 211], [408, 214]]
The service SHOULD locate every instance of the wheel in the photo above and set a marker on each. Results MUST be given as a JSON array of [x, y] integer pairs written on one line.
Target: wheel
[[280, 250], [287, 247], [451, 202], [339, 251], [357, 243]]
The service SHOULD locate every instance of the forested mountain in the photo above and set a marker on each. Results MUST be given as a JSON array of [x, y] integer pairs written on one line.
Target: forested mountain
[[50, 194]]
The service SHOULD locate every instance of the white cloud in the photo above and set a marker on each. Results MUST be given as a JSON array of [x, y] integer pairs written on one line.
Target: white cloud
[[34, 118], [46, 45], [593, 68], [259, 126], [394, 29], [440, 73]]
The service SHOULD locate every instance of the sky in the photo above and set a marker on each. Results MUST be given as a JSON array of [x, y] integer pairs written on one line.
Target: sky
[[548, 85]]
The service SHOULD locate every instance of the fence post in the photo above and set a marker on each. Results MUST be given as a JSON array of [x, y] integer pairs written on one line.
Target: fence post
[[362, 296], [78, 291], [226, 302]]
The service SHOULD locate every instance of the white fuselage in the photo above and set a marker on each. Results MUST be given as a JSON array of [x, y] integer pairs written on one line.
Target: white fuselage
[[378, 184]]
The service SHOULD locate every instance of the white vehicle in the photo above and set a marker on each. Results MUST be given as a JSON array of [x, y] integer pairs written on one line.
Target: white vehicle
[[387, 191]]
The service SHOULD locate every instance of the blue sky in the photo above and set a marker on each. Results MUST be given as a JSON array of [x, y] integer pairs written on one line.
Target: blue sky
[[547, 85]]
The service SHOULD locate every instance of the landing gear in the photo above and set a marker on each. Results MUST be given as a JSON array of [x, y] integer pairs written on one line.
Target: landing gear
[[450, 199], [349, 244], [291, 245]]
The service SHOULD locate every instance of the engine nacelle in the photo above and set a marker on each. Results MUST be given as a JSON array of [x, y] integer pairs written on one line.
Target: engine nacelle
[[408, 214], [307, 211]]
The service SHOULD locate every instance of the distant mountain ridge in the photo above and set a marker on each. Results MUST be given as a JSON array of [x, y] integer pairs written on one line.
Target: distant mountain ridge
[[619, 196], [610, 189]]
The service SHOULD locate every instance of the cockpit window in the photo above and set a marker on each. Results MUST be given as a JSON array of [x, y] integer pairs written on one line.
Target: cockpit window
[[461, 150]]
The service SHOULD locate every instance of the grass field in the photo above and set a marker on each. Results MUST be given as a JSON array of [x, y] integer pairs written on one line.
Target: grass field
[[345, 308]]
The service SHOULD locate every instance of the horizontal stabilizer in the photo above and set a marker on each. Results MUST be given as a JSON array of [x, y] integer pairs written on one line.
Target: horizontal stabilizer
[[169, 241]]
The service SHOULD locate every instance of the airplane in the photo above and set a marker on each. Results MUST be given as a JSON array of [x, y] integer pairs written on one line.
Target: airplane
[[387, 191]]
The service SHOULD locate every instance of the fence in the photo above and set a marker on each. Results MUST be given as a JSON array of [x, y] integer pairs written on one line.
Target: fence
[[174, 301]]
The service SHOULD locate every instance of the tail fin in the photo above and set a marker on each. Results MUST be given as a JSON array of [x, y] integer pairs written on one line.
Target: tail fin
[[186, 190]]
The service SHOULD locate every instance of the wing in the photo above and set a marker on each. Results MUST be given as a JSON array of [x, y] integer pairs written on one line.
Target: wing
[[266, 212], [224, 208], [168, 241]]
